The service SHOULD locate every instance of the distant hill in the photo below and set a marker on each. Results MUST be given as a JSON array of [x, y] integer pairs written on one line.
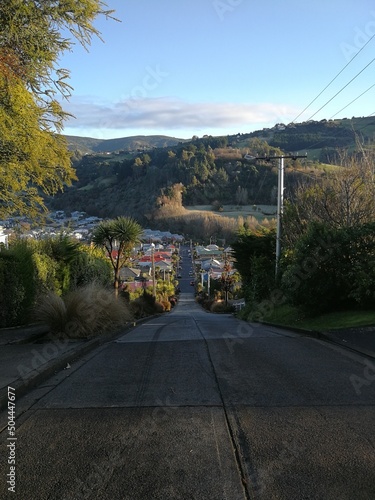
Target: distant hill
[[314, 137], [87, 145], [128, 175]]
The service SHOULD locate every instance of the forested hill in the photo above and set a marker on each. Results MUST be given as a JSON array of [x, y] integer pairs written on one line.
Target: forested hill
[[88, 145], [211, 170]]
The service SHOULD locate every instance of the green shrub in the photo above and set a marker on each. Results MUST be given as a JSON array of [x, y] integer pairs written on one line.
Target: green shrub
[[12, 291], [32, 268], [45, 273], [332, 268], [63, 265], [145, 305], [87, 267], [62, 250], [255, 260], [17, 284]]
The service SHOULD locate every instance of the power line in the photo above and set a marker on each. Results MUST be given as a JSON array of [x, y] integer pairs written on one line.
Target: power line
[[344, 87], [330, 83], [342, 109], [368, 124], [316, 144]]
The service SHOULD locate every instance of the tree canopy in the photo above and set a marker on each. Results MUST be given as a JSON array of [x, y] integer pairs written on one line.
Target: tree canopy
[[33, 155]]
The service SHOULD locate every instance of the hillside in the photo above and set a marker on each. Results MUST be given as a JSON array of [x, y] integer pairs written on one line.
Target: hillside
[[87, 145], [127, 176], [315, 137]]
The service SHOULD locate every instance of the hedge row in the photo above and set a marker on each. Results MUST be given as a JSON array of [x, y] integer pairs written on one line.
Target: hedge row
[[32, 268]]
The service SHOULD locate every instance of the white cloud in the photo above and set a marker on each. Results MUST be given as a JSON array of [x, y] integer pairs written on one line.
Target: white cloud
[[168, 113]]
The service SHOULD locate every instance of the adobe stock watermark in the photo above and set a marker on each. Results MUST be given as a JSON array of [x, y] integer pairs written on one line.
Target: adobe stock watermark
[[152, 79], [278, 297], [41, 357], [98, 477], [100, 472], [130, 103], [150, 82], [366, 379], [223, 7], [265, 475], [57, 342], [361, 37]]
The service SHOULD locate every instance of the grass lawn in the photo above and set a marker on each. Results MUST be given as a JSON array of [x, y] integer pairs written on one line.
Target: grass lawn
[[260, 212], [290, 316]]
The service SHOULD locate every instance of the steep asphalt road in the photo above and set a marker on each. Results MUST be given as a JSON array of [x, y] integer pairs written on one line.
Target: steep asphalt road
[[192, 405]]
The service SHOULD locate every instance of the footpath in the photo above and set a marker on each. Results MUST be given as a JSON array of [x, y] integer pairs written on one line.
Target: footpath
[[30, 355]]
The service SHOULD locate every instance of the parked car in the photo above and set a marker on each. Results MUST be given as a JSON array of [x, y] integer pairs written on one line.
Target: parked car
[[192, 283]]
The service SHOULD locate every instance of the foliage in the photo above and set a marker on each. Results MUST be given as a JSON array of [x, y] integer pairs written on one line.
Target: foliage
[[116, 187], [87, 267], [305, 135], [292, 316], [12, 292], [145, 305], [33, 156], [164, 290], [33, 268], [17, 283], [62, 264], [51, 311], [46, 271], [221, 307], [345, 198], [87, 311], [254, 253], [31, 160], [210, 169], [23, 253], [332, 268], [53, 258]]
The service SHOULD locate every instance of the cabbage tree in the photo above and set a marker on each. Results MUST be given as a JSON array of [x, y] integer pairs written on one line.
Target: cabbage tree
[[118, 237]]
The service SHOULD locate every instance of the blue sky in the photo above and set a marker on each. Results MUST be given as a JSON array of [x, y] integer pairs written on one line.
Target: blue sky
[[196, 67]]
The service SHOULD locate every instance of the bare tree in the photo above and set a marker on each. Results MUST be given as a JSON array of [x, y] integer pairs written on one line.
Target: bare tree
[[343, 198]]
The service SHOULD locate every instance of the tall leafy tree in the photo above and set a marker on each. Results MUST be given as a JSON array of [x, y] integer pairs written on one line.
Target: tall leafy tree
[[33, 155], [117, 237]]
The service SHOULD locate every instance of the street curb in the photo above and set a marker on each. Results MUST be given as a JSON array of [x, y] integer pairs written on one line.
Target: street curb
[[30, 339], [46, 371], [33, 332]]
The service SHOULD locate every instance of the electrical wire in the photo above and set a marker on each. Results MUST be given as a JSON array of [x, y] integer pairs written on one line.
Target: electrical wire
[[344, 87], [342, 109], [313, 146], [330, 83], [368, 124], [316, 144]]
